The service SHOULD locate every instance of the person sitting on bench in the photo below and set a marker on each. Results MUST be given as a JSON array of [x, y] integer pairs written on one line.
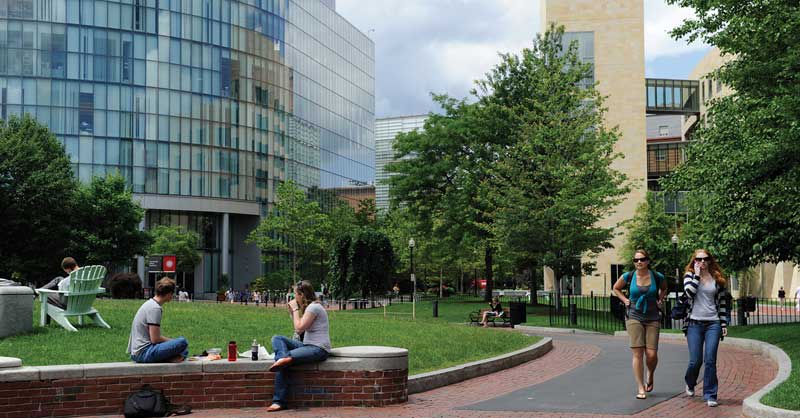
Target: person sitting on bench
[[495, 311]]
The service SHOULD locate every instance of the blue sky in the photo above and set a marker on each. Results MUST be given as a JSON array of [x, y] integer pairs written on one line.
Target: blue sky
[[442, 46]]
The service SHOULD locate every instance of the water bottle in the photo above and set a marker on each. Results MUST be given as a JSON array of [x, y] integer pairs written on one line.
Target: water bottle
[[254, 350]]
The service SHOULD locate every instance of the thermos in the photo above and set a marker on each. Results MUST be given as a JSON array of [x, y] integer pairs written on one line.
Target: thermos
[[232, 353], [254, 351]]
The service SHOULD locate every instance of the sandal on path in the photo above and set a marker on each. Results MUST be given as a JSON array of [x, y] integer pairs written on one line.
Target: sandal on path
[[641, 395], [649, 387], [275, 407]]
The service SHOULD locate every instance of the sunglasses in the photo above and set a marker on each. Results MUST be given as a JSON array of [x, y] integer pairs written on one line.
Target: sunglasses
[[702, 259], [640, 260]]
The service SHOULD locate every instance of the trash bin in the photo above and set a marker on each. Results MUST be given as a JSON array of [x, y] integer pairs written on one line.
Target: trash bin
[[435, 308], [750, 303], [518, 313], [16, 310]]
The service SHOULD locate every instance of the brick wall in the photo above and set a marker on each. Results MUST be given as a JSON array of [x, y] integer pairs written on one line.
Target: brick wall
[[105, 395]]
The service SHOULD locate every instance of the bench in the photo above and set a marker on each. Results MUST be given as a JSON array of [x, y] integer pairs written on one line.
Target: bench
[[504, 319]]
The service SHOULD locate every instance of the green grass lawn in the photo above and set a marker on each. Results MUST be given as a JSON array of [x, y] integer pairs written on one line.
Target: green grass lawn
[[430, 342], [787, 337]]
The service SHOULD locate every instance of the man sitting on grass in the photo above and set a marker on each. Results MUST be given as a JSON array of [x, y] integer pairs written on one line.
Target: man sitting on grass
[[146, 344]]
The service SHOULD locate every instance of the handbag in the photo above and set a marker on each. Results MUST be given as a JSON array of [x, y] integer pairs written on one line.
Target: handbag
[[681, 308]]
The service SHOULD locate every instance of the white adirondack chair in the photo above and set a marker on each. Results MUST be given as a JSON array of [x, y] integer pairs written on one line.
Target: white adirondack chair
[[84, 286]]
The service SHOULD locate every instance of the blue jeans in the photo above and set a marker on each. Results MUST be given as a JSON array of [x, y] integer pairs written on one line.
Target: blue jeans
[[163, 352], [703, 338], [300, 354]]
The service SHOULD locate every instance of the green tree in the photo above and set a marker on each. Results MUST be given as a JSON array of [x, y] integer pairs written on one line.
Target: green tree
[[177, 241], [297, 228], [554, 183], [744, 163], [652, 229], [445, 184], [371, 263], [106, 223], [36, 201]]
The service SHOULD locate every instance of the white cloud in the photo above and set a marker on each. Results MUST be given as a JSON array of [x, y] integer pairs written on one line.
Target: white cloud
[[659, 19], [424, 46]]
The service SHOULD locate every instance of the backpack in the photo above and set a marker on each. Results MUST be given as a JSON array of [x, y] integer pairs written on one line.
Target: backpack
[[148, 402]]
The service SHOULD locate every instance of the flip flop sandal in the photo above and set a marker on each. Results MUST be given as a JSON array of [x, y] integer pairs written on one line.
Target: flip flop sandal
[[641, 395]]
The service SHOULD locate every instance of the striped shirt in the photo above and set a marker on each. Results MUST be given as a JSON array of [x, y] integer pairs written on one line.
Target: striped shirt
[[691, 282]]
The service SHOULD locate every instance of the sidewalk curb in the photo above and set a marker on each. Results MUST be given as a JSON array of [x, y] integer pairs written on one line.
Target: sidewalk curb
[[557, 330], [426, 381], [752, 406]]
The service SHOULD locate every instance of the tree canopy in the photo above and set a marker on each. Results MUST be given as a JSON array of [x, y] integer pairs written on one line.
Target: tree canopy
[[744, 164], [177, 241], [106, 220], [36, 201]]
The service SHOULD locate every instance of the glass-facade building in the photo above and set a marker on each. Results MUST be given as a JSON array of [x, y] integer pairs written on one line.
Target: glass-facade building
[[386, 129], [204, 106]]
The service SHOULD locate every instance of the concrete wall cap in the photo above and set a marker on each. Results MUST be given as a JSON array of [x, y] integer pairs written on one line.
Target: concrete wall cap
[[19, 374], [15, 290], [369, 351], [136, 369], [8, 362]]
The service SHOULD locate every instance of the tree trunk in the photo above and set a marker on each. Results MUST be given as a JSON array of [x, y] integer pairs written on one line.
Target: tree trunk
[[534, 285], [489, 285]]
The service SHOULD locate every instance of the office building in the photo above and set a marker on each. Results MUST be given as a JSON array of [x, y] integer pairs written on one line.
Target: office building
[[386, 129], [204, 106]]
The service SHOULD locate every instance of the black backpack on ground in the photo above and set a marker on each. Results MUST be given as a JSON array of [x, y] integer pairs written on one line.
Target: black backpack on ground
[[148, 402]]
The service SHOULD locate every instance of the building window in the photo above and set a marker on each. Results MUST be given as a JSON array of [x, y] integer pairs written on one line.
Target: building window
[[719, 86], [661, 154], [663, 130], [585, 44], [710, 92]]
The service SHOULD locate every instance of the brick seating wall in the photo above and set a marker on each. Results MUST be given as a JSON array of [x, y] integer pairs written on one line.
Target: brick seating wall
[[352, 376], [105, 395]]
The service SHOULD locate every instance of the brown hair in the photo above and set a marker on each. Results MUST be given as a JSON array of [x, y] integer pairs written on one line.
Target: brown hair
[[712, 265], [644, 253], [305, 294], [165, 286], [68, 263]]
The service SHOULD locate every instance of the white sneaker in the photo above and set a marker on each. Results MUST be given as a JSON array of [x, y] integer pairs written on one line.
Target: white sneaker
[[712, 403], [689, 392]]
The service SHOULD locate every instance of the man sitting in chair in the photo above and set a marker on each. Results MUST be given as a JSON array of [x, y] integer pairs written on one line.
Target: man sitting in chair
[[69, 265], [146, 344]]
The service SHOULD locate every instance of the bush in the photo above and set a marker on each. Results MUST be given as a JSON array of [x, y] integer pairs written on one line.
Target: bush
[[125, 286]]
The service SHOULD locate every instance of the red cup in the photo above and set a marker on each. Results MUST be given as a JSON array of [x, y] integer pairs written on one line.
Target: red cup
[[232, 353]]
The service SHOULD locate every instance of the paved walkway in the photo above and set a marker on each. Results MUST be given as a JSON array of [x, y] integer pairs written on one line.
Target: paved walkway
[[552, 385]]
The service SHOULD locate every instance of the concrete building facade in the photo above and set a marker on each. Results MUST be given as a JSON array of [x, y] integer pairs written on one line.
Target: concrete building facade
[[615, 29]]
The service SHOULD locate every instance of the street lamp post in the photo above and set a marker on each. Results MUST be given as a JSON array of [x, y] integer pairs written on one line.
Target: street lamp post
[[677, 264], [411, 244]]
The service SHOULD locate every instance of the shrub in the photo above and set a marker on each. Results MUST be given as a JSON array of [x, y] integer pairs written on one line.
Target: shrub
[[125, 286]]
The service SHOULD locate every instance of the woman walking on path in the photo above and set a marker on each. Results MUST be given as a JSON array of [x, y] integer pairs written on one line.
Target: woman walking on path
[[647, 290], [707, 323], [311, 321]]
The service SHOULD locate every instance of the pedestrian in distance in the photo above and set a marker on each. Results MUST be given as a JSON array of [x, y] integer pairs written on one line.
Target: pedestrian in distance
[[706, 290], [311, 321], [782, 296], [646, 292]]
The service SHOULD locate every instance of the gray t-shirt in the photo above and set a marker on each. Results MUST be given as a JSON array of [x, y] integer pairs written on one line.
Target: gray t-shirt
[[317, 334], [148, 314], [652, 313], [704, 307]]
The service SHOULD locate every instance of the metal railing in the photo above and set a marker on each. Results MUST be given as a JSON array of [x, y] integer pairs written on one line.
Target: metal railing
[[607, 313]]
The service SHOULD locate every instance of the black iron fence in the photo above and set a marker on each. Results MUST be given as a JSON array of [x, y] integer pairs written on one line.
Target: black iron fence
[[607, 313]]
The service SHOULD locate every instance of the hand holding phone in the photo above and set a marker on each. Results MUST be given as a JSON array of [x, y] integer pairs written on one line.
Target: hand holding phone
[[696, 268]]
